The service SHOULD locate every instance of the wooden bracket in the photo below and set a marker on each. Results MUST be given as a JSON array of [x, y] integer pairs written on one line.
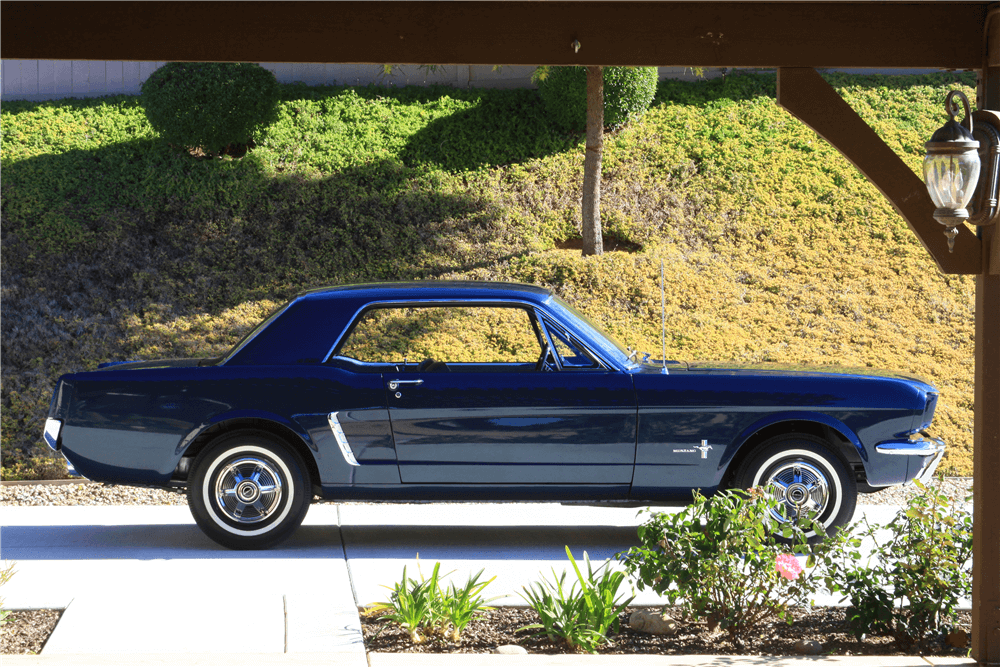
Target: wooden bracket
[[804, 93]]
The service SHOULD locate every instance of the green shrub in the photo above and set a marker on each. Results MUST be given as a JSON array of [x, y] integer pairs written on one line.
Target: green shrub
[[719, 559], [43, 466], [628, 91], [926, 561], [210, 105]]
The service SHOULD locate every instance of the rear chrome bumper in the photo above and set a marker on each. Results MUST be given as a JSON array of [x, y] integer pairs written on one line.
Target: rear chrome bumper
[[53, 427], [926, 446]]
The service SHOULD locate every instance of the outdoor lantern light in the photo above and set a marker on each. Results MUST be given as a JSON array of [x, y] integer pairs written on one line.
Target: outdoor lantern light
[[962, 168], [951, 168]]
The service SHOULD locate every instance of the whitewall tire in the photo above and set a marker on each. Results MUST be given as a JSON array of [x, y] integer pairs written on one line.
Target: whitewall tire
[[804, 474], [248, 490]]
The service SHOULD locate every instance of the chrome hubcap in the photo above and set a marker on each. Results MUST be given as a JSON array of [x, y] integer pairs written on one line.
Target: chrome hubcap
[[248, 490], [800, 488]]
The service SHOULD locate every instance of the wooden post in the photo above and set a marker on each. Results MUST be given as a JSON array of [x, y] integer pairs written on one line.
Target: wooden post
[[986, 469], [986, 438]]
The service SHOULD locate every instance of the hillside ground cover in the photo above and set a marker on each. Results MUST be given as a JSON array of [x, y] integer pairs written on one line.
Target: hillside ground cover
[[775, 248]]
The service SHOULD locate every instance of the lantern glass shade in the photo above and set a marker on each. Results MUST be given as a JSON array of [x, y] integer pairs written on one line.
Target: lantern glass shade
[[951, 177]]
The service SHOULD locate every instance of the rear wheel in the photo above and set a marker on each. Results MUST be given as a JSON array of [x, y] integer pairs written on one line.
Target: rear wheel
[[804, 475], [248, 490]]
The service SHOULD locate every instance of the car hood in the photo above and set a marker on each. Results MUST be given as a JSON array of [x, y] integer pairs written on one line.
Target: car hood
[[773, 368]]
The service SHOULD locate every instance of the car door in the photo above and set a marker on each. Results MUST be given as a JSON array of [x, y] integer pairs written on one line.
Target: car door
[[563, 418]]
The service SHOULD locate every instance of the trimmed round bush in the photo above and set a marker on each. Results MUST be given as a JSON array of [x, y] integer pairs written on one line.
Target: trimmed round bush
[[628, 92], [210, 105]]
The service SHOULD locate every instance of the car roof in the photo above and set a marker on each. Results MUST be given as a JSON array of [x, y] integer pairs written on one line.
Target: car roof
[[431, 289]]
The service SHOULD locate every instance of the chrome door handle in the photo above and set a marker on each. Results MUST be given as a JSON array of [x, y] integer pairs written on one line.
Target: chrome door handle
[[394, 384]]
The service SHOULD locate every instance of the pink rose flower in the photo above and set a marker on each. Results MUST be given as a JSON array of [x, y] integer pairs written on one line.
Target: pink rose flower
[[788, 567]]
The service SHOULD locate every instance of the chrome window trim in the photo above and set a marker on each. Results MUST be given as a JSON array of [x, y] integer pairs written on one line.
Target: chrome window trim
[[548, 339], [547, 320], [471, 303], [341, 438]]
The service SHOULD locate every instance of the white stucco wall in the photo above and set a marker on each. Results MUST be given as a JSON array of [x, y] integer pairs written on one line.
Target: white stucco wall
[[55, 79]]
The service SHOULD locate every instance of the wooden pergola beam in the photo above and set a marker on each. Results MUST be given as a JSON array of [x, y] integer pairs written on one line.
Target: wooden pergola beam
[[611, 32], [804, 93]]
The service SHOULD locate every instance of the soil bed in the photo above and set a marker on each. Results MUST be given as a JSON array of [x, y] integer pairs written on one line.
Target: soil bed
[[26, 632], [823, 624]]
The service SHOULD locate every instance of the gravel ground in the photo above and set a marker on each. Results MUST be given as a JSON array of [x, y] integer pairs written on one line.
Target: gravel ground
[[27, 631], [956, 488], [86, 494], [824, 625]]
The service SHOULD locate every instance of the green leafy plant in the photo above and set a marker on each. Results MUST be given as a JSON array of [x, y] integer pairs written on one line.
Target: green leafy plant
[[460, 605], [580, 617], [5, 574], [719, 560], [423, 608], [628, 92], [410, 603], [911, 584], [210, 105]]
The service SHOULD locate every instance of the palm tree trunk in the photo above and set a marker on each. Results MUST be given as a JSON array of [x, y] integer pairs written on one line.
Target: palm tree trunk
[[592, 241]]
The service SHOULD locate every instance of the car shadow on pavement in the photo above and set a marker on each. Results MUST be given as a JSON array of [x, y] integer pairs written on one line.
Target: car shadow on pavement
[[487, 542], [152, 542]]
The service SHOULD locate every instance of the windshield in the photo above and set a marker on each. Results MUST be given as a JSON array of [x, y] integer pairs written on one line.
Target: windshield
[[607, 343]]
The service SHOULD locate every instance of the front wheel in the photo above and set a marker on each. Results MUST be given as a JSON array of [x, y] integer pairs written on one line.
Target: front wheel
[[248, 490], [804, 476]]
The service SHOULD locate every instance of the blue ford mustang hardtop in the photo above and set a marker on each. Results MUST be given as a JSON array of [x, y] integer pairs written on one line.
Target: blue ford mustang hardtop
[[457, 391]]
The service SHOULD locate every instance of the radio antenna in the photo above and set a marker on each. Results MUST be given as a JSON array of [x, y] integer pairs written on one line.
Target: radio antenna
[[663, 321]]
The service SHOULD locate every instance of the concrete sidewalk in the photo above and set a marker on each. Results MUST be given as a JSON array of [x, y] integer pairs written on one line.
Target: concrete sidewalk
[[145, 583]]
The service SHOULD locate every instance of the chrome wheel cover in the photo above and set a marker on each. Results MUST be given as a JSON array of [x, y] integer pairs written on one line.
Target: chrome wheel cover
[[800, 488], [248, 490]]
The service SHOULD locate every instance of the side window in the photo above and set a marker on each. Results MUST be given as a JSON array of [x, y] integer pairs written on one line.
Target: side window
[[571, 353], [450, 334], [380, 336]]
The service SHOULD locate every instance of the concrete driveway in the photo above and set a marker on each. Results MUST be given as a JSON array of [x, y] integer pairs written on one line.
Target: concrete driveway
[[145, 580]]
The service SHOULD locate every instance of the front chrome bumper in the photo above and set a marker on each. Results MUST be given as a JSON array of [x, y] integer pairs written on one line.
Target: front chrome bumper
[[932, 449]]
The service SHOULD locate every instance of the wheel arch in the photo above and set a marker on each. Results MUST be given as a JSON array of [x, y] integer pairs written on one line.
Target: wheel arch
[[298, 442], [841, 439]]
